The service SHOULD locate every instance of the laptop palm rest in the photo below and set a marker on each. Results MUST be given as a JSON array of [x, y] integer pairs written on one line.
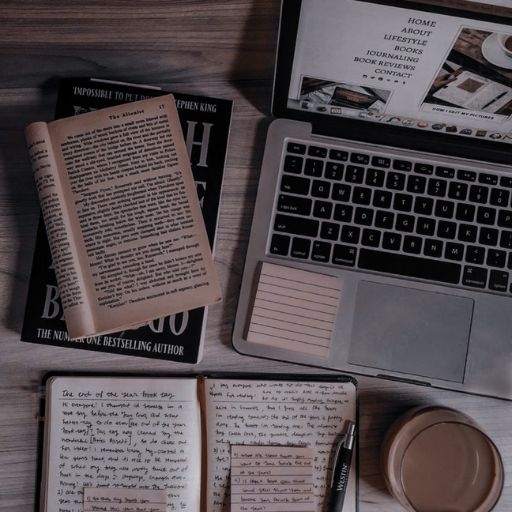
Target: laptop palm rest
[[398, 329]]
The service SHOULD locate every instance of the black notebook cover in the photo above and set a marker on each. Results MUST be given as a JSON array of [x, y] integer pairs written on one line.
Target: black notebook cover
[[205, 122]]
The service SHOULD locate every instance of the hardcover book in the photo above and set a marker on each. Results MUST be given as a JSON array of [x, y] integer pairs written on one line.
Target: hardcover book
[[205, 124]]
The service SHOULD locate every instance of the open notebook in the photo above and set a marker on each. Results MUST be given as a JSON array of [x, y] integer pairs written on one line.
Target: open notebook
[[106, 435]]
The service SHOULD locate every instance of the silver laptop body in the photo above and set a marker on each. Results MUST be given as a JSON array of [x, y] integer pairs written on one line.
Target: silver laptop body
[[394, 320]]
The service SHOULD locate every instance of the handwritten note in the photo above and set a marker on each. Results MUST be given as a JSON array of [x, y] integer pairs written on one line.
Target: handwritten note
[[106, 499], [276, 413], [294, 310], [271, 479], [123, 433]]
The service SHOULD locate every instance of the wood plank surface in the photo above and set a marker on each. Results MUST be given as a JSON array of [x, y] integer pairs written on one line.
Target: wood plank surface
[[223, 48]]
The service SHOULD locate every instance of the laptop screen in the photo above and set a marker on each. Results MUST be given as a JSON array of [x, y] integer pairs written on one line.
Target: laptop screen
[[403, 67]]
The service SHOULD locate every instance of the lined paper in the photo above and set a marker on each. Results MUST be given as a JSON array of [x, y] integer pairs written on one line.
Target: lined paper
[[294, 310], [106, 499], [272, 479]]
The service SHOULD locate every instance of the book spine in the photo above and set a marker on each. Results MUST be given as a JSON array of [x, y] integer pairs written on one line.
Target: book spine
[[59, 230]]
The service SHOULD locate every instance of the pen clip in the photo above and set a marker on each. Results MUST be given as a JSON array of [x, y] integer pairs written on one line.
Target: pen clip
[[338, 448]]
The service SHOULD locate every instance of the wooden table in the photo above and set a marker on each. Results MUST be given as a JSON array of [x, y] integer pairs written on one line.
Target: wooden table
[[223, 48]]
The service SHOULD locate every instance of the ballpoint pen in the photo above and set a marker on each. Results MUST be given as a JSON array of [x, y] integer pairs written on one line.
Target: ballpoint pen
[[341, 470]]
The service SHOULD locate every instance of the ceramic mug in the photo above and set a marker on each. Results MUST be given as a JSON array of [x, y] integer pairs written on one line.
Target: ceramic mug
[[505, 42]]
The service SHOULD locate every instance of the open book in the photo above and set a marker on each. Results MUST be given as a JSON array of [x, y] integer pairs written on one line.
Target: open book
[[122, 216], [104, 435]]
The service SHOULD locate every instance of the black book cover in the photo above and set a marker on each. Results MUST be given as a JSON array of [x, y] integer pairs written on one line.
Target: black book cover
[[205, 122]]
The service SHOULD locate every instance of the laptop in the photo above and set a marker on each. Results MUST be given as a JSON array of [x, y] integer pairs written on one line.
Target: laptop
[[387, 180]]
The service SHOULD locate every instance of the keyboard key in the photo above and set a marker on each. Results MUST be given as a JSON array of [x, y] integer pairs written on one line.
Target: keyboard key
[[279, 245], [354, 174], [295, 147], [370, 238], [350, 234], [444, 209], [391, 241], [317, 151], [488, 179], [334, 171], [496, 258], [445, 172], [344, 255], [343, 213], [446, 229], [382, 199], [300, 248], [467, 233], [498, 281], [458, 191], [341, 192], [380, 161], [395, 181], [474, 276], [486, 215], [465, 212], [466, 175], [329, 231], [362, 195], [437, 187], [478, 194], [359, 158], [404, 223], [506, 239], [422, 168], [433, 248], [321, 252], [402, 165], [314, 167], [488, 236], [294, 204], [499, 197], [475, 254], [411, 266], [295, 185], [363, 216], [402, 202], [322, 210], [453, 251], [505, 219], [292, 164], [425, 226], [384, 219], [506, 181], [412, 244], [423, 205], [296, 225], [375, 177], [338, 154], [416, 184], [320, 189]]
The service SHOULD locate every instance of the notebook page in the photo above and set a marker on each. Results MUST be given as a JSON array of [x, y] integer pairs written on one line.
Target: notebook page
[[296, 413], [294, 310], [123, 433]]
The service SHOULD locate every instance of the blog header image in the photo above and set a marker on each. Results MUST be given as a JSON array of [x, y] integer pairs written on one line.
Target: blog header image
[[475, 80]]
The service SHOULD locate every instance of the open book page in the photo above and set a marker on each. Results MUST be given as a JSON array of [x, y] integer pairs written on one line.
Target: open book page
[[134, 215], [251, 412], [132, 433]]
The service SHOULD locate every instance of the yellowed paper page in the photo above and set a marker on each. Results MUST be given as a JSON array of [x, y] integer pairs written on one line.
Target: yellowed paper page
[[107, 499], [272, 479], [294, 310]]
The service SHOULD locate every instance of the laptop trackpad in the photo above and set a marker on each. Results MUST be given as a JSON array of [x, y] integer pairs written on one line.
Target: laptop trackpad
[[411, 331]]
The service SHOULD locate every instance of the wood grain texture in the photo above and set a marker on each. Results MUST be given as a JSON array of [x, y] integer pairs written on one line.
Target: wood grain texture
[[223, 48]]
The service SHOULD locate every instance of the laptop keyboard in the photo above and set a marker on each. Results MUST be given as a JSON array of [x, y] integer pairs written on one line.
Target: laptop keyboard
[[394, 216]]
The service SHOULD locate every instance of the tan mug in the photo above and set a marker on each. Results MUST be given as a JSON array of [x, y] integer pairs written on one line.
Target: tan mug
[[436, 459]]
